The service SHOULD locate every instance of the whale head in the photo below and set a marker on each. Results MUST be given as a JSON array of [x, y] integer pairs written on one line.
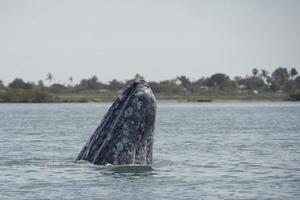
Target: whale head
[[125, 134]]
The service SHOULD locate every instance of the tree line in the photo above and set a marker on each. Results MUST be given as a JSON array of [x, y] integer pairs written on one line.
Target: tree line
[[281, 80]]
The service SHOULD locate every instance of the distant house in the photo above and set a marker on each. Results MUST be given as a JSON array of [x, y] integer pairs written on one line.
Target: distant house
[[242, 90], [178, 82], [242, 87]]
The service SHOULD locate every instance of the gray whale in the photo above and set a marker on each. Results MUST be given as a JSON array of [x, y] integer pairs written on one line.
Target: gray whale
[[125, 134]]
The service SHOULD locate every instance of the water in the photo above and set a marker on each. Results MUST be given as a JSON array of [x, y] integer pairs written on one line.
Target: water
[[201, 151]]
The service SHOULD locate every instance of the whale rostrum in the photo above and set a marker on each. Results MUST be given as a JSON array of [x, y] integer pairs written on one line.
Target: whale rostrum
[[125, 134]]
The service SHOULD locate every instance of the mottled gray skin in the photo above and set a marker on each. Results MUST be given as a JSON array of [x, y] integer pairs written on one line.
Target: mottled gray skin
[[125, 135]]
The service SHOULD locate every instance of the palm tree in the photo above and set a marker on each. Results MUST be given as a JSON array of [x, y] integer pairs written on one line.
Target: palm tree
[[49, 77], [293, 72], [265, 75], [71, 80], [254, 71], [1, 85]]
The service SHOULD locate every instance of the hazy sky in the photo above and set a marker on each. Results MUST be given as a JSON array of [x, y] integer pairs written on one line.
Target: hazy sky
[[159, 39]]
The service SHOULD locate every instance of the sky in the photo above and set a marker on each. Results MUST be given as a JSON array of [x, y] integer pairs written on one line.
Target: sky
[[159, 39]]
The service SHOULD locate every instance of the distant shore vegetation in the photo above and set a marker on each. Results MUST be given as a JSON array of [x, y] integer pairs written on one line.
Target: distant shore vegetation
[[281, 84]]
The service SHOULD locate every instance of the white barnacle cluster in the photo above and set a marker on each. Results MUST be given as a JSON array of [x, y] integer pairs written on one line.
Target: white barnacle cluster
[[132, 122], [139, 105], [119, 147], [128, 112], [122, 148], [125, 129]]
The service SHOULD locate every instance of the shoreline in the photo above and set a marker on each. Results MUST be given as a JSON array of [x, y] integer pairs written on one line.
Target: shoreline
[[177, 99]]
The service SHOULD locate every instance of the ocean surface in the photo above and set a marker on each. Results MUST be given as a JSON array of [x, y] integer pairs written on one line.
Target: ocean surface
[[201, 151]]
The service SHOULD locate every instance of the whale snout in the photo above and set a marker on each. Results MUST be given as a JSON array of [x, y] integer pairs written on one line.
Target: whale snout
[[125, 135]]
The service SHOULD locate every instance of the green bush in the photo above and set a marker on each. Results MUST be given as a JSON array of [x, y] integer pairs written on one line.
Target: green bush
[[24, 95], [295, 97]]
